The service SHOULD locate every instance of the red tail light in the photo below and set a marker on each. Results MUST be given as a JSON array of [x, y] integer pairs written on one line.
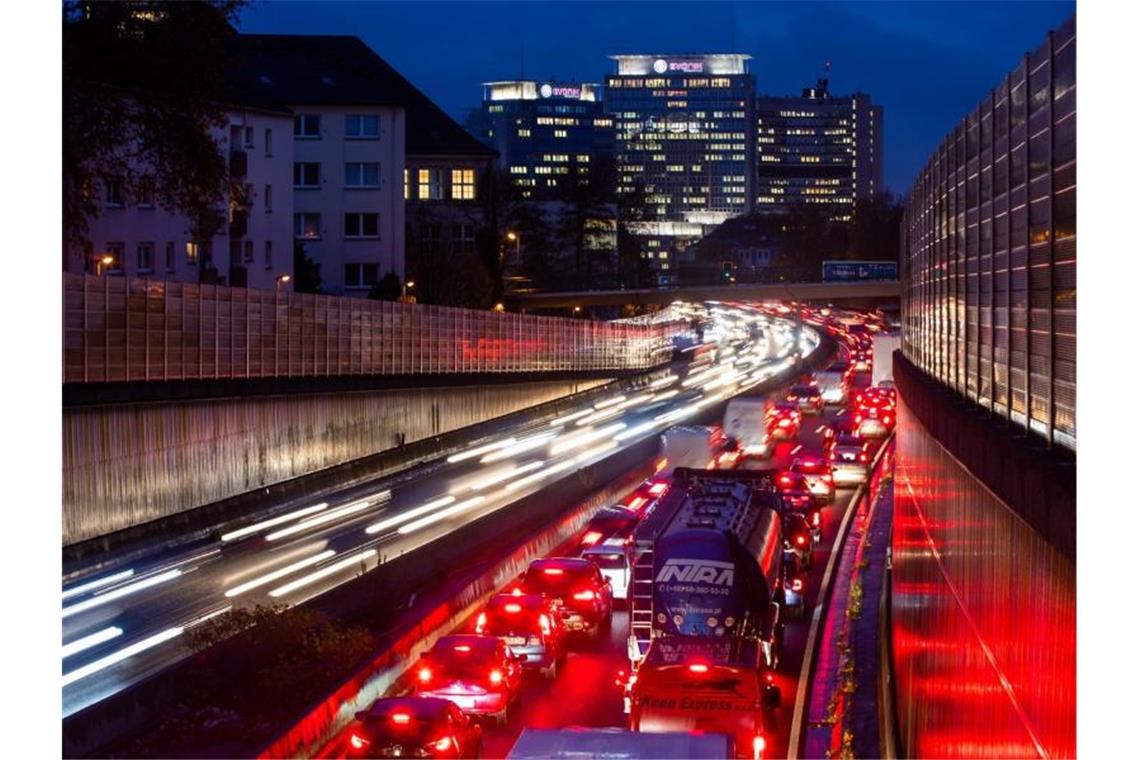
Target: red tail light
[[357, 741], [496, 677], [592, 537], [443, 745], [401, 718], [462, 648], [585, 596], [801, 540], [552, 570], [758, 745], [698, 667], [544, 624], [424, 675], [658, 488], [637, 501], [815, 518], [825, 478], [481, 622], [886, 419], [512, 607], [785, 422], [863, 457]]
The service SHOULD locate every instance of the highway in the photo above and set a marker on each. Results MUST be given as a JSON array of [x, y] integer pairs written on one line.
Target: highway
[[584, 692], [123, 624]]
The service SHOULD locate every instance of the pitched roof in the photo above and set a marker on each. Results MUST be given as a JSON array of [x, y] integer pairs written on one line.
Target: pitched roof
[[300, 70]]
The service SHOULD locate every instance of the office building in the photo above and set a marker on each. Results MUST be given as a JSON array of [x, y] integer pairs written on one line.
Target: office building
[[820, 149], [685, 138], [548, 134]]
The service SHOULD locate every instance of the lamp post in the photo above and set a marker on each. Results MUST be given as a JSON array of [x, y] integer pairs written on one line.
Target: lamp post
[[514, 238], [405, 288], [106, 260], [281, 280]]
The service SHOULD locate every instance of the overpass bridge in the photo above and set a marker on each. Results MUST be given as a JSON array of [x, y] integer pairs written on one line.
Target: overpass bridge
[[852, 294]]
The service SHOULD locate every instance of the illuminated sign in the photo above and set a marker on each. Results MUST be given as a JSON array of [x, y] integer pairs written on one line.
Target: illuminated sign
[[559, 91], [688, 67]]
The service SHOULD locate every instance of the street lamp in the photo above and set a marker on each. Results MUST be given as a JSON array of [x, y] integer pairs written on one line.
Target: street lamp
[[514, 238], [281, 280], [405, 288], [103, 261]]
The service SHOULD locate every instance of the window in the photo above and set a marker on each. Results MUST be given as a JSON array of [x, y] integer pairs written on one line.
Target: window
[[268, 254], [360, 275], [463, 238], [306, 175], [115, 251], [357, 174], [268, 142], [307, 226], [169, 257], [247, 252], [145, 257], [406, 195], [191, 253], [307, 126], [361, 126], [146, 192], [249, 137], [114, 192], [361, 225], [268, 199], [429, 183], [463, 184]]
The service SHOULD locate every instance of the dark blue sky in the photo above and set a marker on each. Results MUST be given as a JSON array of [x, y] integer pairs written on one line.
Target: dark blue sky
[[927, 63]]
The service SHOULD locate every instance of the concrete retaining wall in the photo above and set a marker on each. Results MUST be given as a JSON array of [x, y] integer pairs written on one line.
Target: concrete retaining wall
[[129, 464]]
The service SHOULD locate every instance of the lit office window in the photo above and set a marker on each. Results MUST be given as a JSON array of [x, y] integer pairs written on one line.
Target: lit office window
[[430, 185], [463, 184]]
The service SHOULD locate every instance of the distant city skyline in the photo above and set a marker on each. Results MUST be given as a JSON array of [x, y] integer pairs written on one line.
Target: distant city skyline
[[927, 64]]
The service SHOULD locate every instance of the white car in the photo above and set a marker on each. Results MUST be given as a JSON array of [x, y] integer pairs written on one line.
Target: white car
[[614, 564]]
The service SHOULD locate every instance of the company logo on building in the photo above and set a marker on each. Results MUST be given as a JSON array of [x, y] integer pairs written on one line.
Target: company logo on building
[[696, 571], [688, 67], [559, 91]]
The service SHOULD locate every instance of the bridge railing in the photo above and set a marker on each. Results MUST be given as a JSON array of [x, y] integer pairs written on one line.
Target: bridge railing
[[121, 329]]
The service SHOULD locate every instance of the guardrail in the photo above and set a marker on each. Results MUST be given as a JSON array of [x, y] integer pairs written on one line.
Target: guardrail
[[124, 329], [823, 601]]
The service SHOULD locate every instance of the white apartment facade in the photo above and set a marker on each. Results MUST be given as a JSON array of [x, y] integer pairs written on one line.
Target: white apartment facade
[[347, 185], [253, 245]]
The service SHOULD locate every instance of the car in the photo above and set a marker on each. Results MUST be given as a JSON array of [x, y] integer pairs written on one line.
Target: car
[[414, 727], [615, 522], [480, 674], [795, 583], [795, 494], [874, 421], [834, 383], [612, 560], [861, 361], [798, 542], [817, 472], [807, 398], [577, 588], [784, 421], [850, 458], [530, 626], [641, 500]]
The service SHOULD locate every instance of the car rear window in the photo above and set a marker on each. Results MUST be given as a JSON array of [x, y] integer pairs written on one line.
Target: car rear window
[[550, 580], [472, 664], [613, 561], [503, 623]]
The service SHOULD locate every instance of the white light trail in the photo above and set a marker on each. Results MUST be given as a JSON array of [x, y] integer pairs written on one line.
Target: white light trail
[[411, 514], [327, 517], [526, 444], [609, 402], [77, 590], [636, 430], [441, 515], [507, 475], [570, 417], [471, 454], [235, 534], [324, 572], [597, 451], [280, 573], [664, 381], [122, 654], [605, 414], [119, 593], [581, 439], [89, 641], [665, 395], [535, 477]]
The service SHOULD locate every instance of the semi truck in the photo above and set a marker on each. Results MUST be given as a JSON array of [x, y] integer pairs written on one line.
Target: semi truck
[[883, 346], [746, 423], [705, 608], [539, 744], [695, 446]]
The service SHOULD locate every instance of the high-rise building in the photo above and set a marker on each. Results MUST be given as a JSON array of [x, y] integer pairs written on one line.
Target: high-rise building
[[547, 134], [818, 148], [686, 138]]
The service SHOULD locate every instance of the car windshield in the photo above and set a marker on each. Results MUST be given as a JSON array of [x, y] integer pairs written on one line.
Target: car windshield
[[609, 561]]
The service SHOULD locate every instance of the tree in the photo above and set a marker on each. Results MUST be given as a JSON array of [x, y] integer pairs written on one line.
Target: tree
[[144, 85], [306, 272], [387, 288]]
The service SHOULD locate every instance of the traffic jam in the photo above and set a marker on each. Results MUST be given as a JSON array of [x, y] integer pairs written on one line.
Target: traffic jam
[[674, 623]]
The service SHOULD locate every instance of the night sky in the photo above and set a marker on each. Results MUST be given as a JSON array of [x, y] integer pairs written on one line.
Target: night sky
[[926, 63]]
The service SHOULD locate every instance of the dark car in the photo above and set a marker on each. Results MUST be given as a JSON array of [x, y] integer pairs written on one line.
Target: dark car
[[414, 727], [783, 420], [807, 398], [616, 522], [797, 539], [530, 626], [795, 585], [577, 587], [479, 674]]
